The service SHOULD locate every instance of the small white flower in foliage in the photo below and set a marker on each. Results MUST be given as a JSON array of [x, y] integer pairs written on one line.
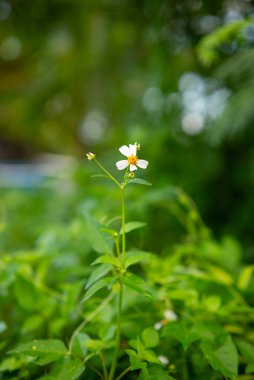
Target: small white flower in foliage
[[132, 159], [170, 315], [163, 359]]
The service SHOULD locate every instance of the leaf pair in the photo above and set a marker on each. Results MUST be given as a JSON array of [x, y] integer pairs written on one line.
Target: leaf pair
[[52, 350]]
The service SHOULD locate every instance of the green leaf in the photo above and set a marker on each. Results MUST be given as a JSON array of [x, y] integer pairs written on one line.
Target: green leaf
[[137, 284], [32, 323], [140, 181], [245, 277], [250, 368], [154, 372], [96, 238], [132, 226], [107, 259], [95, 345], [150, 337], [46, 351], [106, 282], [179, 331], [246, 349], [12, 364], [150, 356], [68, 369], [135, 361], [79, 344], [223, 358], [134, 257], [26, 294], [98, 273], [109, 231]]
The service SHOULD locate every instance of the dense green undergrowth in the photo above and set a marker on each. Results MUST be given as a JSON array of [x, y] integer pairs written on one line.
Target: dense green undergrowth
[[187, 309]]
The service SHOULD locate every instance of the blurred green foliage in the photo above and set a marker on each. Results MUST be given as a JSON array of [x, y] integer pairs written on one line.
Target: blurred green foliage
[[92, 75]]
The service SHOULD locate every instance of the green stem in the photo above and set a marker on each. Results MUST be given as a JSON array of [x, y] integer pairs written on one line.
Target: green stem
[[118, 331], [123, 373], [120, 299], [89, 319], [123, 228], [104, 367], [108, 174], [117, 246], [184, 368]]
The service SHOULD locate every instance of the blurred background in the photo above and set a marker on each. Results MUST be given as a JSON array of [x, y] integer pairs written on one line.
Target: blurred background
[[92, 75]]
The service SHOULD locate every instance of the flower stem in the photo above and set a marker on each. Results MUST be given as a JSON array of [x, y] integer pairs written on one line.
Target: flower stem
[[120, 299], [123, 228], [108, 174], [118, 331]]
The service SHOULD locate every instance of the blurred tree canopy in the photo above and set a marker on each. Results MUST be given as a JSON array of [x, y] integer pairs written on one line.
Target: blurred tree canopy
[[176, 76]]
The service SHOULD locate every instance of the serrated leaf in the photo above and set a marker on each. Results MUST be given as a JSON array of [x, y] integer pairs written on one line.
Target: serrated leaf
[[134, 257], [224, 358], [135, 361], [68, 369], [155, 372], [96, 238], [179, 331], [107, 259], [106, 282], [46, 351], [137, 284], [98, 273], [150, 337], [132, 226], [140, 181]]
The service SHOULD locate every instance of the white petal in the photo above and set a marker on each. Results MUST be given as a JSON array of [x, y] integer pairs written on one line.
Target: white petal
[[125, 151], [122, 164], [142, 164], [133, 149], [133, 167]]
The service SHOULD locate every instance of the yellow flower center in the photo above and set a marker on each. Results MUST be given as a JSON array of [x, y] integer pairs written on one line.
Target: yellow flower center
[[133, 160]]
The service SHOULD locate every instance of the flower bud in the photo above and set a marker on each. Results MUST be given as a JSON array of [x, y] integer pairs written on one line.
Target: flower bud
[[90, 156], [131, 175], [137, 145]]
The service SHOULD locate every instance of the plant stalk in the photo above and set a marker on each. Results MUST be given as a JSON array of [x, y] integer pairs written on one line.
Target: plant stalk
[[118, 332], [108, 174], [120, 299], [123, 228]]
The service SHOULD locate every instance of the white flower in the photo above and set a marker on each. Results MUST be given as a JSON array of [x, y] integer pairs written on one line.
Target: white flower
[[132, 158], [170, 315], [163, 359], [158, 325]]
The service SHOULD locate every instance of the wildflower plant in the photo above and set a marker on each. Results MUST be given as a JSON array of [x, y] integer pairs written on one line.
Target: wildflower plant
[[119, 260]]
